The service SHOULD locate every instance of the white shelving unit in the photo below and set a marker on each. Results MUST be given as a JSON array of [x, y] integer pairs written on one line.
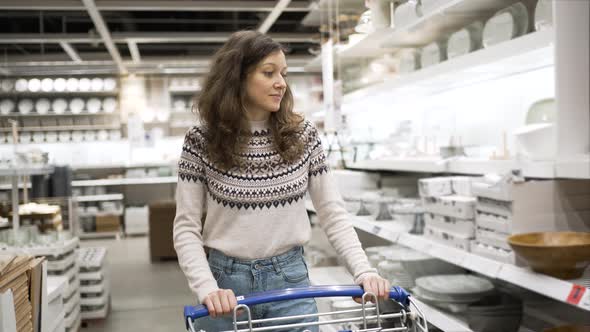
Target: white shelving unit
[[125, 181], [100, 198]]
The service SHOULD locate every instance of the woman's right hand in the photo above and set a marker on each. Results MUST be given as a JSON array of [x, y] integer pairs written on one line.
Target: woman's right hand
[[220, 302]]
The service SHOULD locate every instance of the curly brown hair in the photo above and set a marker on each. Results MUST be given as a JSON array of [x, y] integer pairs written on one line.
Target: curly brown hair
[[221, 102]]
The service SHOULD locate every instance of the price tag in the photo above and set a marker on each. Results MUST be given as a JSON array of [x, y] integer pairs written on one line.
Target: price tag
[[576, 294]]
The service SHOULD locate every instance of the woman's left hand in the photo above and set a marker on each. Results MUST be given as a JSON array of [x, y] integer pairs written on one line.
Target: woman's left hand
[[375, 284]]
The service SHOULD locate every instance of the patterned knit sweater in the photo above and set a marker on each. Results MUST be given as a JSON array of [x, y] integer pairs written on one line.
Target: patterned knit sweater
[[258, 210]]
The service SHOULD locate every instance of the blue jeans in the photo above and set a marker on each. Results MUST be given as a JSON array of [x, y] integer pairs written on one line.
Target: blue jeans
[[287, 270]]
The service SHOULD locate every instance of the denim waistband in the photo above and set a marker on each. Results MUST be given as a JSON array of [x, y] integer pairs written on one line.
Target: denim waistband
[[227, 263]]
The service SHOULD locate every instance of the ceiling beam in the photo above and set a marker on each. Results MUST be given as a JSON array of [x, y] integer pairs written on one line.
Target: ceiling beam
[[273, 15], [105, 34], [152, 5], [144, 37], [70, 51], [134, 50]]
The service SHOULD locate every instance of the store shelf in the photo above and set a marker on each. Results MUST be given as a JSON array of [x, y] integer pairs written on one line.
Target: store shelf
[[185, 89], [368, 47], [463, 165], [59, 94], [318, 12], [54, 250], [55, 287], [26, 171], [62, 128], [527, 53], [99, 235], [100, 198], [124, 165], [125, 181], [443, 320], [101, 213], [68, 114], [554, 288]]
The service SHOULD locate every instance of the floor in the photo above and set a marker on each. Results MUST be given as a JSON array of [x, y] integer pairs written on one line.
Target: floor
[[145, 296]]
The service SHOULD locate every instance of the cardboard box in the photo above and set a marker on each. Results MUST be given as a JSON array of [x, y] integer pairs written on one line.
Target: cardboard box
[[108, 223], [161, 219]]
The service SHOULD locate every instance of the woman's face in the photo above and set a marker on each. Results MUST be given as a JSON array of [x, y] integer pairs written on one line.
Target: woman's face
[[265, 86]]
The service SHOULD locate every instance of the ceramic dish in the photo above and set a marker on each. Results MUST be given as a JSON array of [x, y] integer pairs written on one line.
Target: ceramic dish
[[455, 287], [97, 84], [507, 24], [59, 105], [21, 85], [64, 136], [93, 105], [47, 85], [25, 137], [562, 255], [109, 104], [38, 137], [76, 105], [84, 84], [42, 105], [433, 53], [537, 141], [114, 134], [25, 106], [109, 84], [7, 85], [34, 85], [542, 111], [59, 85], [452, 307], [89, 135], [465, 40], [77, 136], [6, 106], [72, 84], [51, 137], [103, 135], [544, 15]]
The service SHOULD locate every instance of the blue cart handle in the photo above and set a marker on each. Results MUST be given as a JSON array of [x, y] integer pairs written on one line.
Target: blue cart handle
[[396, 293]]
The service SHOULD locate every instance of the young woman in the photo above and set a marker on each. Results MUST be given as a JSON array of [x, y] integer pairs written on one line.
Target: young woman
[[250, 164]]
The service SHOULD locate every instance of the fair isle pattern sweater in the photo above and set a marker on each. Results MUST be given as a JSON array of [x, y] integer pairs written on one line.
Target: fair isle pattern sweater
[[258, 210]]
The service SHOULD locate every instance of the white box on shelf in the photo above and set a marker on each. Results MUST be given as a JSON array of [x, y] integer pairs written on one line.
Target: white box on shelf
[[447, 238], [463, 227], [493, 222], [492, 238], [461, 185], [497, 254], [452, 206], [434, 187]]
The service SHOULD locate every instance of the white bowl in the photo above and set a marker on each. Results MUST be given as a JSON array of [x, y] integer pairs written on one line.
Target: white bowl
[[544, 15], [109, 105], [51, 137], [465, 40], [179, 104], [537, 141], [507, 24], [25, 137], [25, 106], [59, 105], [7, 85], [76, 105], [77, 136], [38, 137], [6, 106], [84, 84], [89, 135], [72, 84], [47, 85], [93, 105], [42, 105], [103, 135], [21, 85], [59, 85], [34, 85], [109, 84], [96, 84]]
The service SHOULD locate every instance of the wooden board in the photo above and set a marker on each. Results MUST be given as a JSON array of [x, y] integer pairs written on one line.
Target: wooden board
[[19, 266], [15, 283], [5, 263]]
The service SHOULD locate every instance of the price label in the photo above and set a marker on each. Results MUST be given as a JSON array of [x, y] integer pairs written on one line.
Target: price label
[[576, 294]]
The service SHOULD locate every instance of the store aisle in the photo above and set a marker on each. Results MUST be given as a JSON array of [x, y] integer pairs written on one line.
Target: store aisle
[[144, 296]]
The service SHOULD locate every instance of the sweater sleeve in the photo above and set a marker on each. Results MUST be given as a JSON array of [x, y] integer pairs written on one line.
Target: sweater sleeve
[[333, 217], [187, 229]]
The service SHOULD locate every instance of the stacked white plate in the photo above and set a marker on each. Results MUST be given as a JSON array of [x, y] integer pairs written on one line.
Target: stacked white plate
[[76, 105], [453, 292], [72, 84], [84, 84], [34, 85], [7, 85], [64, 136], [96, 84], [59, 85], [109, 104], [109, 84], [93, 105], [59, 105], [544, 14], [433, 54], [465, 40], [47, 85], [6, 106], [25, 106], [21, 85], [507, 24], [42, 105]]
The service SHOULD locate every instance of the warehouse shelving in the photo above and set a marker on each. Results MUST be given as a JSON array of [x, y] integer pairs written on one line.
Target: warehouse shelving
[[63, 128], [53, 114]]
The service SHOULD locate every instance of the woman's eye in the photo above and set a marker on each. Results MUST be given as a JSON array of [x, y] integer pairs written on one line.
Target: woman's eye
[[285, 75], [268, 73]]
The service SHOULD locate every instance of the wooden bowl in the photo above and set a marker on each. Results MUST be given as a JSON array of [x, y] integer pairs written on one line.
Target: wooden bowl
[[568, 328], [562, 255]]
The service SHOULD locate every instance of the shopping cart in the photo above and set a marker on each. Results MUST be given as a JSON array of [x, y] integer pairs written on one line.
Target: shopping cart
[[400, 313]]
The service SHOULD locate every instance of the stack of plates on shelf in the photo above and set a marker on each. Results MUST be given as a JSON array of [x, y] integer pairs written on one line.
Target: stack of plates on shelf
[[96, 84], [72, 84], [42, 105], [76, 105], [93, 105], [59, 84], [25, 106], [465, 40], [109, 105], [507, 24], [21, 85], [34, 85], [433, 54], [84, 84], [109, 84], [95, 288], [452, 292], [47, 85], [59, 105], [544, 15], [6, 106], [7, 85]]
